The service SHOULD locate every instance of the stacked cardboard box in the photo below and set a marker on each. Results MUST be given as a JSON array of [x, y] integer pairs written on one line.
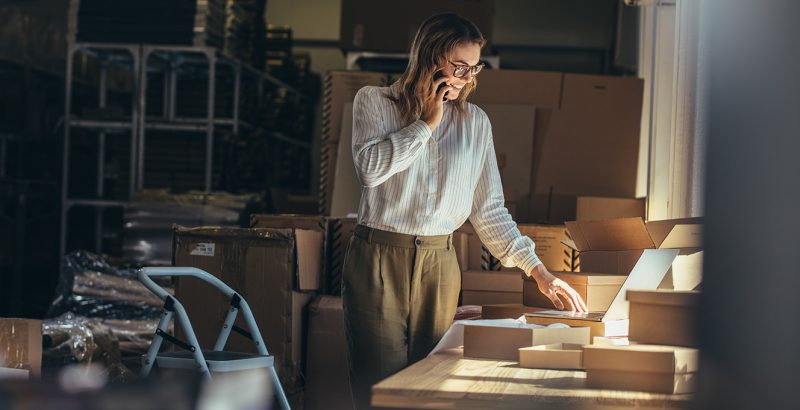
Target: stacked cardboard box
[[327, 377], [276, 270]]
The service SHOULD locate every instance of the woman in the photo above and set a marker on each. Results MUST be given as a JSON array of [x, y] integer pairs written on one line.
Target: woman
[[426, 162]]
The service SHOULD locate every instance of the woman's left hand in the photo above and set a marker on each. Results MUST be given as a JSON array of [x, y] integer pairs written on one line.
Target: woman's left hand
[[553, 287]]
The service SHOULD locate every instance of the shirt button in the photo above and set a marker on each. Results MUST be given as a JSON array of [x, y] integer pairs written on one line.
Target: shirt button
[[418, 242]]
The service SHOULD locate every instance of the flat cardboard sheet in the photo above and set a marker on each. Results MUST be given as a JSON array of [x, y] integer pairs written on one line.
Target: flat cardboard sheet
[[346, 188]]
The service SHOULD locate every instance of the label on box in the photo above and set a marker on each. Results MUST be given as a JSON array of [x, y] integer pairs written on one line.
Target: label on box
[[203, 249]]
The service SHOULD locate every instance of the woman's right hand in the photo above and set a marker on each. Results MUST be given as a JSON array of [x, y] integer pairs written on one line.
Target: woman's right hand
[[434, 105]]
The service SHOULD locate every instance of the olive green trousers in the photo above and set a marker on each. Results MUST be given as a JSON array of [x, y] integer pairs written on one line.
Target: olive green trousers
[[399, 294]]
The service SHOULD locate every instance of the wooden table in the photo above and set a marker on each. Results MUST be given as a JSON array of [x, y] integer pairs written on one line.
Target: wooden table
[[447, 380]]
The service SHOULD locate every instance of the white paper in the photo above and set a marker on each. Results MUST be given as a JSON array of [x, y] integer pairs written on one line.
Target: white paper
[[203, 249]]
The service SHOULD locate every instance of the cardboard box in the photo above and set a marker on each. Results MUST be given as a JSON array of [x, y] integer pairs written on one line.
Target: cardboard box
[[620, 240], [289, 221], [513, 128], [663, 317], [596, 129], [461, 243], [592, 208], [647, 274], [610, 341], [327, 375], [507, 310], [550, 248], [493, 281], [478, 257], [366, 26], [596, 289], [480, 298], [553, 356], [652, 368], [340, 88], [346, 194], [503, 341], [264, 266], [21, 346]]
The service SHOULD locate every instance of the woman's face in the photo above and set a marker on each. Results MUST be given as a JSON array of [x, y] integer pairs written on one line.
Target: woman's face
[[465, 54]]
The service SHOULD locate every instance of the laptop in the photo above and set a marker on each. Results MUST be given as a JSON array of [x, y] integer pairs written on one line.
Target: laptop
[[648, 273]]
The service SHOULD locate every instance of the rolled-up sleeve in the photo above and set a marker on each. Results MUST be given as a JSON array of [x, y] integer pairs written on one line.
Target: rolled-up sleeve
[[491, 219], [377, 152]]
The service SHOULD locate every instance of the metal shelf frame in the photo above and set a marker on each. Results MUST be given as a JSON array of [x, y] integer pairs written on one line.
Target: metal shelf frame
[[167, 60]]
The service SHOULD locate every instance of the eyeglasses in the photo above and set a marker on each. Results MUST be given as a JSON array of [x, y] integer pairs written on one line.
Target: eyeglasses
[[461, 70]]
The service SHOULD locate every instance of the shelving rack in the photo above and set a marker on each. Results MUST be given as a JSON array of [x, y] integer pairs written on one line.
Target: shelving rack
[[136, 59]]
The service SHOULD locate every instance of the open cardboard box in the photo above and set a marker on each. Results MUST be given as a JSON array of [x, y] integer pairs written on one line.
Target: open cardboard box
[[596, 289], [502, 341], [615, 245], [566, 356], [665, 317], [648, 272], [652, 368]]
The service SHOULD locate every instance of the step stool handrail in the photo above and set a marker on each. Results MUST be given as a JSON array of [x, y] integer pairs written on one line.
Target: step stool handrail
[[146, 273]]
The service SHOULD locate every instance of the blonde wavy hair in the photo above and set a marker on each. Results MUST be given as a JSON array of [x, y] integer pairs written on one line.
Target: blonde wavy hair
[[431, 49]]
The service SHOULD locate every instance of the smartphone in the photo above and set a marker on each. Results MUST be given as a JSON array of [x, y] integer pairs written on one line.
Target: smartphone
[[437, 76]]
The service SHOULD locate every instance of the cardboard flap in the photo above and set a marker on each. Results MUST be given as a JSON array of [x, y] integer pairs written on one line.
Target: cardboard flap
[[647, 274], [610, 235], [686, 238], [309, 259], [683, 236]]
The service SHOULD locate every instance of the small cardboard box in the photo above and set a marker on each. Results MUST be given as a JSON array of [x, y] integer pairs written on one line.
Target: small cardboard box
[[21, 346], [647, 274], [594, 208], [327, 377], [491, 281], [619, 242], [553, 356], [652, 368], [481, 298], [663, 317], [596, 289], [507, 310], [503, 341]]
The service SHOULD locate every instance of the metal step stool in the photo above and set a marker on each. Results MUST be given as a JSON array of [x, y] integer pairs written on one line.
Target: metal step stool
[[193, 357]]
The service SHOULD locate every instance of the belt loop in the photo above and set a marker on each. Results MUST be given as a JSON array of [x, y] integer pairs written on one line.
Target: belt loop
[[449, 242], [370, 231]]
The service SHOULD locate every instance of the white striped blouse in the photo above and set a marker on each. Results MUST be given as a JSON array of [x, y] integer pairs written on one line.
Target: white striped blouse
[[421, 183]]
